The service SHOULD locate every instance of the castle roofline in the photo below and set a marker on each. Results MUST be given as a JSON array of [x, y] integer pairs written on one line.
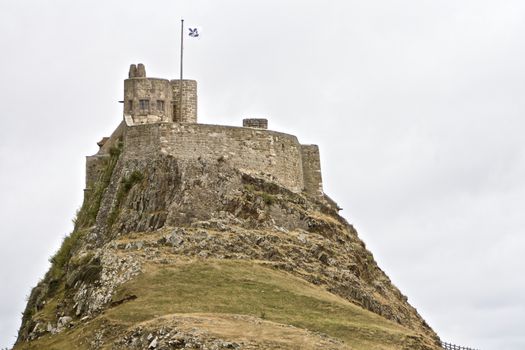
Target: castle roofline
[[216, 127], [162, 79], [147, 78]]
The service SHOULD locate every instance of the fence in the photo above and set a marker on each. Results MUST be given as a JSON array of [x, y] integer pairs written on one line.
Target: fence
[[448, 346]]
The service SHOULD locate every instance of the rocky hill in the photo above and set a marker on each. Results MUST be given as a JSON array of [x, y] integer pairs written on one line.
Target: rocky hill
[[195, 236], [170, 254]]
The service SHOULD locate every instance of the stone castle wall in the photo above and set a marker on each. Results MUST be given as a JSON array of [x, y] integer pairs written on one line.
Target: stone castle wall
[[268, 154], [94, 169], [95, 164], [153, 91], [154, 123], [275, 156], [313, 182], [189, 101]]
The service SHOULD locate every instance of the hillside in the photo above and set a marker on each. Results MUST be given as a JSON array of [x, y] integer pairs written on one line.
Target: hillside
[[169, 254]]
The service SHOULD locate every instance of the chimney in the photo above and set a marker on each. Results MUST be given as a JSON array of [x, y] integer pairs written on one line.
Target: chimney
[[257, 123]]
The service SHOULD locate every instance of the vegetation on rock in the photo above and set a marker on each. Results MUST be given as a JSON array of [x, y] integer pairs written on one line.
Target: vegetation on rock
[[168, 254]]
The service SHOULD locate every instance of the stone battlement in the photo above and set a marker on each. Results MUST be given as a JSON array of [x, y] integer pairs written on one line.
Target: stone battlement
[[162, 129]]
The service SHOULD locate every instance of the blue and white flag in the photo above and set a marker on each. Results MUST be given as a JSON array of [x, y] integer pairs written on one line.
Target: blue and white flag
[[194, 32]]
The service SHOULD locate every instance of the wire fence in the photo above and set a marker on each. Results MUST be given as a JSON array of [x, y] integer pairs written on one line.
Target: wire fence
[[448, 346]]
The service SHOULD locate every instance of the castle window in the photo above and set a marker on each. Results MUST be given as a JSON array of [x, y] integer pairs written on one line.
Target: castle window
[[130, 106], [144, 106], [160, 106]]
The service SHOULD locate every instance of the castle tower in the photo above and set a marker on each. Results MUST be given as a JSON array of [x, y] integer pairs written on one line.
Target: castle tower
[[154, 100], [185, 102]]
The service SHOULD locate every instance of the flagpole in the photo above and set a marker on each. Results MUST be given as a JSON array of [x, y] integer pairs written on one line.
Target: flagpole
[[181, 66]]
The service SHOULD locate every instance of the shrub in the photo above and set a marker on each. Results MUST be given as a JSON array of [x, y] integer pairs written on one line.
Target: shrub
[[135, 177], [268, 198], [85, 217], [87, 214], [61, 257]]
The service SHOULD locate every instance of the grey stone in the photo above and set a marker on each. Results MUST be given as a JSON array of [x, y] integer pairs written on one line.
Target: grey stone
[[49, 327], [174, 239], [302, 238], [153, 344], [64, 321]]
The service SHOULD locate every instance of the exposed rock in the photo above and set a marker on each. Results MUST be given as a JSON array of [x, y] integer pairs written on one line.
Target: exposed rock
[[64, 321], [302, 238], [157, 210], [153, 344]]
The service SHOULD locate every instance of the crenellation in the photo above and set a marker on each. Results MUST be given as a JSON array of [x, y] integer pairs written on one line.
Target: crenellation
[[137, 71], [141, 71]]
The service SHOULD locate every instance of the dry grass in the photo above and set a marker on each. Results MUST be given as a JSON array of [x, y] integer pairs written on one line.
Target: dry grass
[[215, 289], [246, 288]]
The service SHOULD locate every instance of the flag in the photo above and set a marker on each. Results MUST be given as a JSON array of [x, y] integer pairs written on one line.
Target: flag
[[194, 32]]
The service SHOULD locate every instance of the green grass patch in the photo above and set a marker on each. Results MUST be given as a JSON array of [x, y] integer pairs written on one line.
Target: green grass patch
[[88, 213], [85, 217], [235, 287], [61, 257], [268, 198]]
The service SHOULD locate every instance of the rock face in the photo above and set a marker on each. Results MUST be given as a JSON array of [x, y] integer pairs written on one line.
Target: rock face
[[161, 213], [183, 245]]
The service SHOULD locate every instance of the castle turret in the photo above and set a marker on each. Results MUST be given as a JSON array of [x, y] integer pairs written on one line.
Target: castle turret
[[184, 103], [154, 100]]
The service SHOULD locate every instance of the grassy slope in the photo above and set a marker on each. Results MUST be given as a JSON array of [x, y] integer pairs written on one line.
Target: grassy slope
[[238, 287]]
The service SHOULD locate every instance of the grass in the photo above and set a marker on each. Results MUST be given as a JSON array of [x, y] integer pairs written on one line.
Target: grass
[[88, 213], [86, 216], [235, 287], [212, 288], [84, 219], [125, 186], [268, 199]]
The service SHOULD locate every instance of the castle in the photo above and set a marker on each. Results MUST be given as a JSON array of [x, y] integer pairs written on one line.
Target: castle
[[160, 116], [177, 214]]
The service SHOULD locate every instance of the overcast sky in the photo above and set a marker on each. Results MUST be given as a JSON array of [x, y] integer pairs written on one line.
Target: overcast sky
[[417, 105]]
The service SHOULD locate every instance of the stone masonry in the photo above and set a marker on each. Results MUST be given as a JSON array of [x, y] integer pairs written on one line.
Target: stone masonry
[[255, 123], [155, 122], [154, 100]]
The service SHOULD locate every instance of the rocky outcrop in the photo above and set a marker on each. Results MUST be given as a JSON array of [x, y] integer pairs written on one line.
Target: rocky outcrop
[[159, 210]]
